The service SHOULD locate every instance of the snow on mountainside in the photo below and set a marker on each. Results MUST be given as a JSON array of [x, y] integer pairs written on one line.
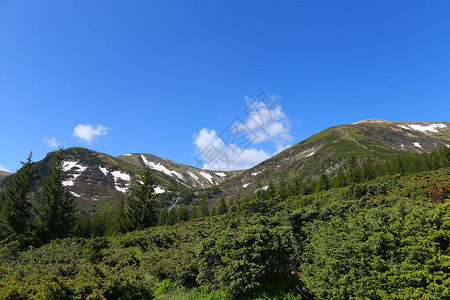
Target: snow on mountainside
[[187, 176]]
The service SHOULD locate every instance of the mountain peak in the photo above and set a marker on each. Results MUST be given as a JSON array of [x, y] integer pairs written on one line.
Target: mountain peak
[[372, 121]]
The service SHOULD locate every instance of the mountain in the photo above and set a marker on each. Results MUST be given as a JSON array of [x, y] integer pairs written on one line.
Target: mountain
[[186, 176], [326, 151], [3, 174], [96, 178]]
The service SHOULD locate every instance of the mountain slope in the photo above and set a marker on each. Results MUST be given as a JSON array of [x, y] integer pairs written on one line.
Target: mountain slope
[[185, 175], [96, 178], [4, 174], [327, 150]]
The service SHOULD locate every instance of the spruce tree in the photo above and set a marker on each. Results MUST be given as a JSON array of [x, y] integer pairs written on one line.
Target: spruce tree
[[222, 209], [204, 208], [282, 190], [15, 212], [141, 206], [117, 220], [172, 216], [162, 218], [323, 183], [182, 214], [354, 173], [56, 210]]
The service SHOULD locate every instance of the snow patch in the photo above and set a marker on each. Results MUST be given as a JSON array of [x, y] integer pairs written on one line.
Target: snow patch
[[121, 176], [424, 128], [104, 171], [402, 146], [76, 169], [75, 194], [255, 173], [127, 155], [246, 185], [264, 188], [207, 176], [159, 190], [161, 168], [417, 145], [193, 176], [371, 121], [176, 201], [221, 174], [311, 154]]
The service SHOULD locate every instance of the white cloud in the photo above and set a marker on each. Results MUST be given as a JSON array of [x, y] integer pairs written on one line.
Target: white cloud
[[4, 169], [281, 148], [87, 133], [220, 156], [52, 143], [267, 121], [234, 148]]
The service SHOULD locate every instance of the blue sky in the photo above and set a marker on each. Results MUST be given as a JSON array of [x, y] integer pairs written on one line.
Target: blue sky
[[154, 74]]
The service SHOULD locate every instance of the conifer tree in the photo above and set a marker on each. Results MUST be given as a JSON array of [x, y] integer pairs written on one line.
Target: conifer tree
[[117, 220], [282, 190], [141, 206], [353, 170], [182, 214], [323, 183], [339, 180], [56, 211], [222, 209], [368, 171], [162, 218], [172, 216], [204, 211], [15, 213]]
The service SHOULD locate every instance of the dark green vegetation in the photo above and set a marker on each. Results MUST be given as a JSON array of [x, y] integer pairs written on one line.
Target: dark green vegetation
[[374, 230]]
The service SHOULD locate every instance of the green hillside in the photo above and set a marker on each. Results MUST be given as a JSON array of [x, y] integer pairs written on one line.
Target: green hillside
[[381, 238], [326, 151]]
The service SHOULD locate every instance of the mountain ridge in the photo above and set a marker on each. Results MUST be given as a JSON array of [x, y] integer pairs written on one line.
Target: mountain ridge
[[97, 178]]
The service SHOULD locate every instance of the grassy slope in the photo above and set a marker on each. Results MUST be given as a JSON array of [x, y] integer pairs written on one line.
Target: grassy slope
[[135, 260], [331, 148]]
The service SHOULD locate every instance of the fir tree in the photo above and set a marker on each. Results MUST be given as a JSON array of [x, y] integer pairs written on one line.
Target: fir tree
[[141, 206], [56, 212], [15, 212]]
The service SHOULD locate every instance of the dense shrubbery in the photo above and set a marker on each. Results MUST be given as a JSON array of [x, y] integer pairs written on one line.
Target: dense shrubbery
[[381, 231]]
